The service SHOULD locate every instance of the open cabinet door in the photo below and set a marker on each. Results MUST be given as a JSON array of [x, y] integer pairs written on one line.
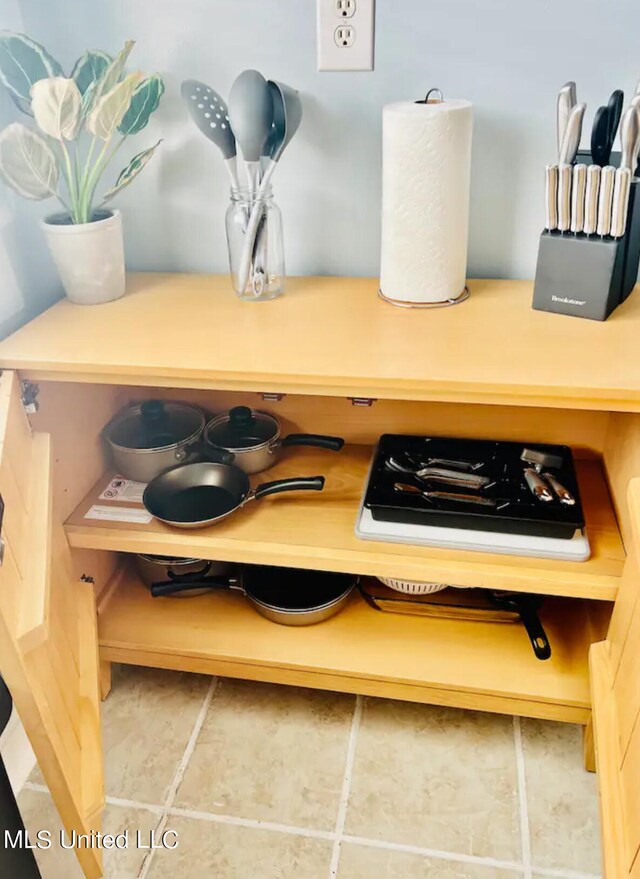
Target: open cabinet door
[[48, 637], [615, 683]]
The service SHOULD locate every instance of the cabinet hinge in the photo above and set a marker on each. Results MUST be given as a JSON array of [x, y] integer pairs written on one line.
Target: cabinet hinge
[[272, 398], [30, 391], [362, 401]]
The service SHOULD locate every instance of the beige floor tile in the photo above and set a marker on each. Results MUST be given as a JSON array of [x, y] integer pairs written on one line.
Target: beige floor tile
[[229, 852], [146, 723], [361, 862], [39, 813], [437, 778], [270, 753], [562, 798]]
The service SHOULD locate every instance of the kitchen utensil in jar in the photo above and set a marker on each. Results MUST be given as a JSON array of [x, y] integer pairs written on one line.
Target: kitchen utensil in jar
[[551, 197], [567, 99], [605, 200], [591, 196], [211, 116], [578, 188], [413, 587], [251, 117], [253, 438], [288, 596], [147, 438], [287, 116], [527, 607], [450, 496], [162, 568], [600, 142], [202, 494]]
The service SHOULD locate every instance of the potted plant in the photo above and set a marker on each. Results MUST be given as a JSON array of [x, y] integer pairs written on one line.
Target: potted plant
[[81, 121]]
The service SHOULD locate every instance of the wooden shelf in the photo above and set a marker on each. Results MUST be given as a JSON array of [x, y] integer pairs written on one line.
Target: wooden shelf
[[336, 337], [316, 531], [487, 666]]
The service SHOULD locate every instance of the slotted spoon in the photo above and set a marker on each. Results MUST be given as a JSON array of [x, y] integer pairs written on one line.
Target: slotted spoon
[[211, 115]]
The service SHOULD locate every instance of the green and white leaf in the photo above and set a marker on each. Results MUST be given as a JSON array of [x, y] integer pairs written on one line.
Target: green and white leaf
[[27, 162], [144, 102], [132, 170], [24, 62], [90, 68], [109, 110], [113, 73], [56, 105]]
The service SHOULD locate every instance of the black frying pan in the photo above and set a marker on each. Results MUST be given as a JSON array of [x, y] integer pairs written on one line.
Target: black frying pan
[[527, 606], [197, 495]]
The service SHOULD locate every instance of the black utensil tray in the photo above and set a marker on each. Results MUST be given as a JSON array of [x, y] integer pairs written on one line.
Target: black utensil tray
[[524, 514]]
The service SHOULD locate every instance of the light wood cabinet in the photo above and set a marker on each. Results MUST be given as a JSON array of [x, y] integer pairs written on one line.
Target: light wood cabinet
[[328, 357]]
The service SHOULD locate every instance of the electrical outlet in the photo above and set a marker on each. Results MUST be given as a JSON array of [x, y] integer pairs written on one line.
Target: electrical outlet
[[350, 45]]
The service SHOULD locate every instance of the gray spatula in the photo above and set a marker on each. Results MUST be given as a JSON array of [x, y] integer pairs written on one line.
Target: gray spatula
[[210, 114], [251, 115]]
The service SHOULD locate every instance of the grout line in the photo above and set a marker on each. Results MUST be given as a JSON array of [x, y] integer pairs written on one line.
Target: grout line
[[252, 823], [436, 854], [179, 774], [133, 804], [37, 788], [525, 836], [346, 787]]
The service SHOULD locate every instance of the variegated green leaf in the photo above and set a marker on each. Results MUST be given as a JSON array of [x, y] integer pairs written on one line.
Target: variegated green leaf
[[109, 110], [56, 106], [113, 73], [27, 162], [144, 101], [22, 63], [132, 170], [90, 68]]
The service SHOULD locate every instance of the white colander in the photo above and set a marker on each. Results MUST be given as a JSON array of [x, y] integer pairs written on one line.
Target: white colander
[[413, 587]]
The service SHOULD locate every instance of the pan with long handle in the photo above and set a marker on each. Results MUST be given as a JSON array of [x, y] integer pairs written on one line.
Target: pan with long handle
[[288, 596], [198, 495]]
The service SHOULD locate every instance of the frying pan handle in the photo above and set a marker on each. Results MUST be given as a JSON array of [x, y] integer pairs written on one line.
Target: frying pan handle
[[332, 443], [300, 483], [535, 629], [171, 587]]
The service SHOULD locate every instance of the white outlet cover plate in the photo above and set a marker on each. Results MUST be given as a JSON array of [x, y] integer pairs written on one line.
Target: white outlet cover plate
[[358, 56]]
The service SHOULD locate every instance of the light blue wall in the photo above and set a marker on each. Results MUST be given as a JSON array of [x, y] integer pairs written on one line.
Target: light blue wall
[[507, 56]]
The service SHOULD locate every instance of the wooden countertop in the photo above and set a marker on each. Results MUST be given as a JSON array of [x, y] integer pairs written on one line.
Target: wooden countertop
[[335, 336]]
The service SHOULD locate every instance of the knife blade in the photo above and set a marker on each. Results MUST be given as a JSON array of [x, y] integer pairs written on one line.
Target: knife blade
[[551, 197], [578, 187], [620, 208], [629, 134], [564, 197], [591, 194], [605, 200], [567, 100], [572, 135]]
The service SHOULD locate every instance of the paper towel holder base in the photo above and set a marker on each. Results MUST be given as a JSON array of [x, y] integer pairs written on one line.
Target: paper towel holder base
[[444, 304]]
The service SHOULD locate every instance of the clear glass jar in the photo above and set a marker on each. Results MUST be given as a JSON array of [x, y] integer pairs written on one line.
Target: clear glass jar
[[262, 260]]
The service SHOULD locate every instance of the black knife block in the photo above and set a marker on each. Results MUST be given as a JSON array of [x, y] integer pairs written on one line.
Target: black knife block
[[586, 275]]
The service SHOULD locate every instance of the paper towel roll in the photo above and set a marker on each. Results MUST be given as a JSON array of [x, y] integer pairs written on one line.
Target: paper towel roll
[[425, 201]]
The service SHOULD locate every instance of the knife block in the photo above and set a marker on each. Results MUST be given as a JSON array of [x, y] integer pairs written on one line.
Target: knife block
[[586, 275]]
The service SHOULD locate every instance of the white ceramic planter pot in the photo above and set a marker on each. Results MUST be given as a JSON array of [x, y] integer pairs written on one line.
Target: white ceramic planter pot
[[88, 256]]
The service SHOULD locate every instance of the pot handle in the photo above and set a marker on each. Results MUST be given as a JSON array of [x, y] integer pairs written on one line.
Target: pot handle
[[332, 443], [171, 587], [208, 452], [300, 483]]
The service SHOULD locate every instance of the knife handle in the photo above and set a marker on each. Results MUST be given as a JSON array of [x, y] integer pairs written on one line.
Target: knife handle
[[564, 197], [537, 485], [578, 187], [564, 495], [620, 210], [551, 197], [605, 200], [591, 199]]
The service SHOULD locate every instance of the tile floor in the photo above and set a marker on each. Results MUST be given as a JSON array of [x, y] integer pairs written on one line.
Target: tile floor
[[267, 782]]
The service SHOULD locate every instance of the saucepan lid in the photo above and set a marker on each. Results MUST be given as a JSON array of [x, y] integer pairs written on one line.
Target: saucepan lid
[[242, 429]]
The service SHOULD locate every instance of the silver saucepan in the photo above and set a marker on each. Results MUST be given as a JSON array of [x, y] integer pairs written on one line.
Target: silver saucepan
[[253, 438], [158, 568], [198, 495], [288, 596], [150, 437]]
